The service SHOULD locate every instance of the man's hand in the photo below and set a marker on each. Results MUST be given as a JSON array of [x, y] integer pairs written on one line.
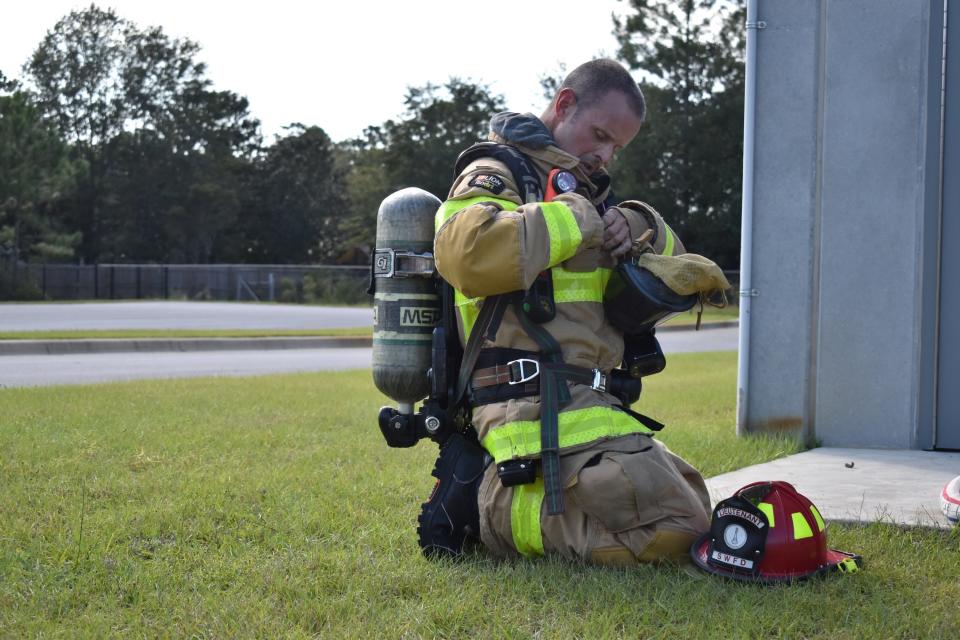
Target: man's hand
[[616, 233]]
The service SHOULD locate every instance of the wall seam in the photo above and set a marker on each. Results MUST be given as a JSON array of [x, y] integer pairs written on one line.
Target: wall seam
[[811, 435], [938, 273], [925, 385]]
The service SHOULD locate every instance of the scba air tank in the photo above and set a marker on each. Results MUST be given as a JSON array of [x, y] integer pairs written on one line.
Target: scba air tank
[[407, 305]]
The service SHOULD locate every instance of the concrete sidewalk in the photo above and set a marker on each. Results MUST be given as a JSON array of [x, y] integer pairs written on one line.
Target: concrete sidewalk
[[858, 485]]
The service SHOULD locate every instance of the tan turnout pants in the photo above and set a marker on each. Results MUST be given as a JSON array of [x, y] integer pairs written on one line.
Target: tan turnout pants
[[627, 500]]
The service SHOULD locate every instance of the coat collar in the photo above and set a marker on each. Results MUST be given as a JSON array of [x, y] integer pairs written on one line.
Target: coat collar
[[530, 135]]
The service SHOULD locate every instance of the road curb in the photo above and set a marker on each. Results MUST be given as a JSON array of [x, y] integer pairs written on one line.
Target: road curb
[[725, 324], [148, 345]]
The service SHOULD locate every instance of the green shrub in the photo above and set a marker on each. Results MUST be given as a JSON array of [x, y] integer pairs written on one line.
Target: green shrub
[[18, 287], [289, 291]]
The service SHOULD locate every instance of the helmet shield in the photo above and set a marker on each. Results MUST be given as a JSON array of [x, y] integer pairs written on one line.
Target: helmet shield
[[738, 534], [768, 532]]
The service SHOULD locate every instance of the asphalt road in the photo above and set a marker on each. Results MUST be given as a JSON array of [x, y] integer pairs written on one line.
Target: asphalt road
[[36, 370], [88, 368], [178, 315]]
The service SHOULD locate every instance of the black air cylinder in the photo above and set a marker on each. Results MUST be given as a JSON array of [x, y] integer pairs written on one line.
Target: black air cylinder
[[407, 305]]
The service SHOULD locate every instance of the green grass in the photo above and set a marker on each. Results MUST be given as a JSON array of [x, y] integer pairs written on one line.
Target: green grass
[[270, 507], [182, 333]]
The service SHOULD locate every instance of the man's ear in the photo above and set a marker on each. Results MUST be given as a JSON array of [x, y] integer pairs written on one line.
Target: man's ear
[[565, 104]]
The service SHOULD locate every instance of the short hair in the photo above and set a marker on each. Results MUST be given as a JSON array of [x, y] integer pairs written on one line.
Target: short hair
[[592, 80]]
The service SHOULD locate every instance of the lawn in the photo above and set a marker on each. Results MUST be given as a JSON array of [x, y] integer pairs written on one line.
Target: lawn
[[270, 507]]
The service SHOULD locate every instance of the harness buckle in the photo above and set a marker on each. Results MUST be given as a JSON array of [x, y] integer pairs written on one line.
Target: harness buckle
[[518, 374], [599, 381]]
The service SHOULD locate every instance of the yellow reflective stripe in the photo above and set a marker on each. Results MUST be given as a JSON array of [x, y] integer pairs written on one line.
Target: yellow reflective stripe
[[801, 528], [577, 286], [767, 509], [450, 207], [668, 244], [564, 232], [469, 310], [525, 518], [521, 439], [568, 286], [816, 516]]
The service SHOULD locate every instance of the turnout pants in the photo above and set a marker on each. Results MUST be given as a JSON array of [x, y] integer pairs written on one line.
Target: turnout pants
[[628, 500]]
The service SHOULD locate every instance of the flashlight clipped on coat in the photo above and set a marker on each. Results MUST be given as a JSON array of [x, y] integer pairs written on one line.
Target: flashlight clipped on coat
[[559, 181]]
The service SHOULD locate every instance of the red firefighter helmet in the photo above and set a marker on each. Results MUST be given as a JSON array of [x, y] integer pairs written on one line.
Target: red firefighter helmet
[[767, 532]]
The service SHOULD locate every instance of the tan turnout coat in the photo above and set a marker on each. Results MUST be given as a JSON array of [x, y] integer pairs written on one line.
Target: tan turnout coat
[[627, 497]]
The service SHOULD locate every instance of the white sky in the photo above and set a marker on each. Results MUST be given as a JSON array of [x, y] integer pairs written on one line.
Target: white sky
[[345, 65]]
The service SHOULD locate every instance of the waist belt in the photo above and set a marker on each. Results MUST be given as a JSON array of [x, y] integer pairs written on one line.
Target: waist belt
[[504, 374]]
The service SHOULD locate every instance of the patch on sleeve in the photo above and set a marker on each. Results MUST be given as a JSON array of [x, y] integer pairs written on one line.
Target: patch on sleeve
[[491, 183]]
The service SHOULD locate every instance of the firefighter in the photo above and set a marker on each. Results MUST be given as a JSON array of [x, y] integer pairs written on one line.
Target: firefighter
[[557, 466]]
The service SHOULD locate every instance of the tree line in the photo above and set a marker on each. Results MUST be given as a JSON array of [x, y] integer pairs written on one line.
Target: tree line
[[115, 147]]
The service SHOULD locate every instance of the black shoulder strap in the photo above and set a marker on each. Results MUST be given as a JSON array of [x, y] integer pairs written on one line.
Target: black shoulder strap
[[484, 328], [520, 167]]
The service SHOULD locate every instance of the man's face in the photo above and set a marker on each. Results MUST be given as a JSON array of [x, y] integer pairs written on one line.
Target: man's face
[[595, 133]]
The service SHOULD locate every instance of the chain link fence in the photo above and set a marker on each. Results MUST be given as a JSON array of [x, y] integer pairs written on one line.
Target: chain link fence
[[273, 283]]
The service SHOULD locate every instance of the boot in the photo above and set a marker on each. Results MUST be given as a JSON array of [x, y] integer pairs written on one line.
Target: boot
[[449, 520]]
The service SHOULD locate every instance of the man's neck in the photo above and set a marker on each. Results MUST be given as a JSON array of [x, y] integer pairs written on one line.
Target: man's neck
[[548, 119]]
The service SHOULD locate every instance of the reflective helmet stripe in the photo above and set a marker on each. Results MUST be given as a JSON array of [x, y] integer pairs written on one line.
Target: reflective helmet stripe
[[801, 528], [767, 509], [525, 518], [816, 516], [669, 242], [521, 439]]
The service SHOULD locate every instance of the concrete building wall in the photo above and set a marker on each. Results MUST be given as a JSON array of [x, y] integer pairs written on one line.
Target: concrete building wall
[[839, 196], [785, 201]]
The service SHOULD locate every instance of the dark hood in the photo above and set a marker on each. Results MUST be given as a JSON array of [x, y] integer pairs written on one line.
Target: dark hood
[[522, 128], [527, 130]]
